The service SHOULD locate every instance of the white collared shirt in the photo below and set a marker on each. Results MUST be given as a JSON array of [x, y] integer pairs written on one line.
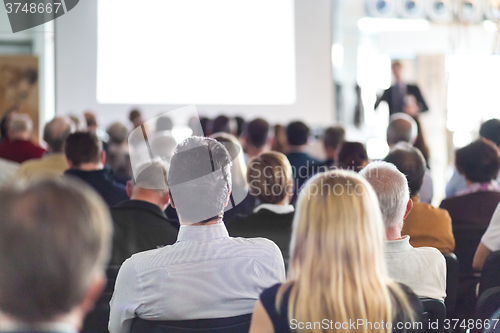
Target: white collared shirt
[[205, 274], [277, 209], [423, 269]]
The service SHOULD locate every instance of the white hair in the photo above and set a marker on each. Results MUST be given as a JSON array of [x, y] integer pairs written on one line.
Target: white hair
[[392, 191], [20, 123], [397, 131]]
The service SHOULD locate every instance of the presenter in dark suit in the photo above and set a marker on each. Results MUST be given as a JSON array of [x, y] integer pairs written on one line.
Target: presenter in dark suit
[[396, 96]]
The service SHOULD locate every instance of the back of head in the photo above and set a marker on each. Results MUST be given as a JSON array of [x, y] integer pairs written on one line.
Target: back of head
[[353, 156], [490, 130], [240, 124], [54, 240], [478, 162], [83, 147], [392, 191], [270, 177], [257, 132], [90, 119], [334, 137], [20, 125], [338, 234], [118, 133], [221, 124], [297, 133], [402, 128], [411, 163], [199, 179], [152, 176], [164, 123], [55, 133], [134, 115]]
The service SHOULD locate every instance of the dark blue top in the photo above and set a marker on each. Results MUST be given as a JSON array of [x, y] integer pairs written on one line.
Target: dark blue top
[[102, 181], [282, 325], [304, 167]]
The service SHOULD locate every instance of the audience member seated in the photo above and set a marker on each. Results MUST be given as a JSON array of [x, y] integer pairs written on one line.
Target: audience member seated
[[18, 148], [240, 201], [352, 156], [86, 161], [490, 242], [490, 133], [223, 124], [92, 126], [117, 156], [256, 137], [54, 163], [423, 269], [270, 179], [479, 164], [55, 239], [337, 270], [240, 125], [4, 124], [332, 141], [140, 223], [426, 225], [403, 128], [205, 274], [9, 170], [303, 165], [279, 141], [163, 124]]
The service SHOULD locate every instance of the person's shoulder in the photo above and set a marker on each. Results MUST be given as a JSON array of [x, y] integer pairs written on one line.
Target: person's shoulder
[[430, 209], [430, 253], [258, 246], [146, 260]]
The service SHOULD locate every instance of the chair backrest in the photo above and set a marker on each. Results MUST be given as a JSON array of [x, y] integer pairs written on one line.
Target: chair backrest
[[452, 271], [467, 238], [97, 320], [492, 328], [434, 315], [490, 275], [238, 324], [488, 303]]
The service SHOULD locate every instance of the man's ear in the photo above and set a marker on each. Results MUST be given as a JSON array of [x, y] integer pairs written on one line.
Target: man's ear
[[93, 293], [409, 207], [171, 200], [227, 200], [70, 164], [103, 157], [130, 188]]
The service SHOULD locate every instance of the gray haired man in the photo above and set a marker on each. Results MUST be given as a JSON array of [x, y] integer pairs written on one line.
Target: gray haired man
[[423, 269], [205, 274]]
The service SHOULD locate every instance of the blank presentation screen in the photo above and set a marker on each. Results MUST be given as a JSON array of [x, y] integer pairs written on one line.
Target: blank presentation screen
[[223, 52]]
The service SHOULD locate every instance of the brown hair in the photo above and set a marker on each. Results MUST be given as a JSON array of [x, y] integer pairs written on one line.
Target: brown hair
[[83, 147], [54, 238], [270, 177]]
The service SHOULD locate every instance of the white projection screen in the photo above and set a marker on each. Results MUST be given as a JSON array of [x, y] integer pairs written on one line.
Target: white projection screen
[[268, 58]]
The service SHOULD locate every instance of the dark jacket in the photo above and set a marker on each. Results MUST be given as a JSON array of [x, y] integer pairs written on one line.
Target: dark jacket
[[102, 181], [139, 226], [411, 89], [304, 167], [267, 224], [472, 209]]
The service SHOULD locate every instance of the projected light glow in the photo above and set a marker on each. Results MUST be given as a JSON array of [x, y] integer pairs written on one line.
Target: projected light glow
[[231, 52]]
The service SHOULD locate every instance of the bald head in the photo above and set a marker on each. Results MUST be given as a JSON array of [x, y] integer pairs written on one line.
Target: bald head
[[402, 128], [55, 133]]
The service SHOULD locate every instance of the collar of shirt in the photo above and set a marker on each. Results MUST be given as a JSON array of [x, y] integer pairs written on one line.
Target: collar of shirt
[[47, 327], [277, 209], [398, 245], [202, 232], [481, 187]]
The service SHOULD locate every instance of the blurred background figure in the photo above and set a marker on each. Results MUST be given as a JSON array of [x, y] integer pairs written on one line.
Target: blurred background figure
[[352, 156], [240, 126], [333, 138], [54, 162], [279, 142], [19, 147], [135, 117], [223, 124], [118, 157], [256, 137]]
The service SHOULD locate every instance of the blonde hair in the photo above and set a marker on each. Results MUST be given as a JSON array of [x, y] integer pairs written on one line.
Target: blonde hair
[[270, 177], [337, 268]]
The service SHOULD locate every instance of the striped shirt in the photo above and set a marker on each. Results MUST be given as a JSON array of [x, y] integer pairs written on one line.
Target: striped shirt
[[205, 274]]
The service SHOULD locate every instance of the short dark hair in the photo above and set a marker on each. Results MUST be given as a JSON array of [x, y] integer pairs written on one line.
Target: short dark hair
[[297, 133], [55, 234], [410, 161], [478, 162], [334, 137], [240, 125], [221, 124], [199, 179], [257, 132], [490, 130], [83, 147], [164, 123], [352, 156], [90, 119], [134, 114]]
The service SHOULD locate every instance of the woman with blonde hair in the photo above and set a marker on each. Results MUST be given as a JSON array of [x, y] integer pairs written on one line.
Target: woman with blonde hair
[[337, 273]]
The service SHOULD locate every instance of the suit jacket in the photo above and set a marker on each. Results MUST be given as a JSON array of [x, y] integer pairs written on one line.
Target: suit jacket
[[267, 224], [139, 226], [411, 89], [102, 181], [474, 208]]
